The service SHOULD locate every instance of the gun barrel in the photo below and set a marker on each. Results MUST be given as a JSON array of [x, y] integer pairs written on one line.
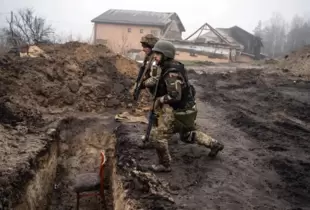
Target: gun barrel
[[149, 126]]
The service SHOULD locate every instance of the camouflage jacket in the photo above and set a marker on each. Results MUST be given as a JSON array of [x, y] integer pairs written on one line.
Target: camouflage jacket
[[173, 88]]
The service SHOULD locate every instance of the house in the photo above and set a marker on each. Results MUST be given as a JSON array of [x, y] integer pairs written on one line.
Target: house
[[216, 49], [250, 45], [121, 30]]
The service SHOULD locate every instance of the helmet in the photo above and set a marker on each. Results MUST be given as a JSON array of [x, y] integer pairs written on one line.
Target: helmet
[[165, 47], [149, 39]]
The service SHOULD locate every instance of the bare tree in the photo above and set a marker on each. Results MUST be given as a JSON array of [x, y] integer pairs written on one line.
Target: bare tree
[[3, 42], [298, 35], [124, 47], [27, 28], [279, 37], [258, 31], [273, 35]]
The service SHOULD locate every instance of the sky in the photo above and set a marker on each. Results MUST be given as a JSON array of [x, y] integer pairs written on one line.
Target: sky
[[74, 16]]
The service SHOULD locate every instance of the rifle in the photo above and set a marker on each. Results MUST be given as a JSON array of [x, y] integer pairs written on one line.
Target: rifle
[[140, 77], [138, 83], [152, 116]]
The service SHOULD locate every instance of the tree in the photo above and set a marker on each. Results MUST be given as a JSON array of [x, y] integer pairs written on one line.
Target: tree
[[122, 45], [3, 42], [273, 35], [27, 28], [279, 37], [298, 35], [258, 31]]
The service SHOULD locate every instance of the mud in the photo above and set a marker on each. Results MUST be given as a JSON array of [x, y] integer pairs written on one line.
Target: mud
[[263, 120], [65, 101], [274, 111]]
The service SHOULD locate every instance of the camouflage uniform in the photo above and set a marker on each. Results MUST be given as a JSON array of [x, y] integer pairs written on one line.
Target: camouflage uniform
[[179, 117], [148, 40]]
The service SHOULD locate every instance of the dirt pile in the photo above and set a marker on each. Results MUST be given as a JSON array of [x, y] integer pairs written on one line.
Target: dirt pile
[[73, 75], [298, 62], [35, 91]]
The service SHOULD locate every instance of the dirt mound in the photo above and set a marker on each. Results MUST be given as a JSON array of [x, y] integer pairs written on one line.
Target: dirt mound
[[297, 62], [71, 76], [35, 91]]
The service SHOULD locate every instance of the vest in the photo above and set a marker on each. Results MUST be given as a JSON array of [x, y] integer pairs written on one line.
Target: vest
[[188, 91]]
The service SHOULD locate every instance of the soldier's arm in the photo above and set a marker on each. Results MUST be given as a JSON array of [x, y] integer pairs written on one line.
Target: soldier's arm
[[151, 77], [150, 82], [174, 84]]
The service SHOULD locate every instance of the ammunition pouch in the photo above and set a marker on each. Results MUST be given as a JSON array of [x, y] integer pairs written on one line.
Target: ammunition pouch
[[185, 119]]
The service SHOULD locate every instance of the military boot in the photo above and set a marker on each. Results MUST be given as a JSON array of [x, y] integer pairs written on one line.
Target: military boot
[[216, 147], [164, 160]]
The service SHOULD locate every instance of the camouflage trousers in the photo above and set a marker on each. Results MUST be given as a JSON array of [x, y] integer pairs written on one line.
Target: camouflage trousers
[[166, 128]]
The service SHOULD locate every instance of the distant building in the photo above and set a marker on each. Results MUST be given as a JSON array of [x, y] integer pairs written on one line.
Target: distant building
[[121, 30], [250, 45]]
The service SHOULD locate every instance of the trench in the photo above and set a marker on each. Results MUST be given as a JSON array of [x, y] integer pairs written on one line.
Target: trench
[[75, 150], [79, 146], [38, 190]]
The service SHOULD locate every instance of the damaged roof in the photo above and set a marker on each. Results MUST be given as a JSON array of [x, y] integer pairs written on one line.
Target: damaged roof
[[135, 17], [234, 35], [211, 37]]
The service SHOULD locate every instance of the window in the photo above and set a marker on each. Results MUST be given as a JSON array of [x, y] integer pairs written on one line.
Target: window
[[141, 31], [129, 30], [154, 32]]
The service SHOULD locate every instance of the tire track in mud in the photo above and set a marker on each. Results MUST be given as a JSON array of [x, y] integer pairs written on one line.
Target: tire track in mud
[[277, 122]]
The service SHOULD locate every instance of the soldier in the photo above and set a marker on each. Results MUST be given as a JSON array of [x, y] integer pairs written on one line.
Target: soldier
[[179, 116], [148, 41]]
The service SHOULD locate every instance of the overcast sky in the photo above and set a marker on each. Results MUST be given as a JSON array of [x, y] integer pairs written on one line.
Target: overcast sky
[[74, 16]]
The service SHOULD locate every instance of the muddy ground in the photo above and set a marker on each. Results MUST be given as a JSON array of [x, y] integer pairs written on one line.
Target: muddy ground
[[262, 116], [263, 120]]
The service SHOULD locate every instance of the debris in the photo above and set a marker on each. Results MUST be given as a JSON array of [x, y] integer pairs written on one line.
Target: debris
[[126, 117]]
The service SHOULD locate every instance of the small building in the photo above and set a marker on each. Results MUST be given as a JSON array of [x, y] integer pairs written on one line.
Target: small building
[[250, 45], [122, 30]]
